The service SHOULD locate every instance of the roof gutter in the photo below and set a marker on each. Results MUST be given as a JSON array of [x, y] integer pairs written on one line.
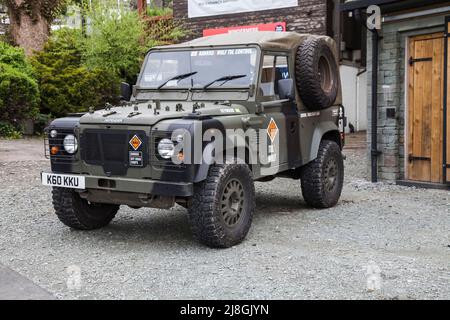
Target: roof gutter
[[412, 15], [362, 4], [388, 6]]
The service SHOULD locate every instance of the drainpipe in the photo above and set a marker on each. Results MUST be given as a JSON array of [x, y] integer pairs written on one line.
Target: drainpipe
[[374, 137]]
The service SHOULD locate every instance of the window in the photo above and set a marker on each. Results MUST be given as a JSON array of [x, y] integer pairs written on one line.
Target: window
[[274, 68], [267, 88], [206, 66]]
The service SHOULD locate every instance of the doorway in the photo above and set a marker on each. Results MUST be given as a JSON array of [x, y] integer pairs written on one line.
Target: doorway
[[425, 132]]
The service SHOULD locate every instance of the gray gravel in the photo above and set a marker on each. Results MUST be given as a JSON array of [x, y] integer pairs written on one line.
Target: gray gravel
[[399, 235]]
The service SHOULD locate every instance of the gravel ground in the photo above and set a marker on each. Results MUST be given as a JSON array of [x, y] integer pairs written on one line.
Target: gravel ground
[[30, 149], [396, 236]]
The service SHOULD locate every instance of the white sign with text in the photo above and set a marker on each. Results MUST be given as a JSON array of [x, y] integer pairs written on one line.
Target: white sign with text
[[205, 8]]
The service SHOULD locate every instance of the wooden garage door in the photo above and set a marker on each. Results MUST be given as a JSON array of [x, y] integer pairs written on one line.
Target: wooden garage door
[[425, 108]]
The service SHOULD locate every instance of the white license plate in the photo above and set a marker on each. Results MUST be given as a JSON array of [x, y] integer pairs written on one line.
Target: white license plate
[[63, 180]]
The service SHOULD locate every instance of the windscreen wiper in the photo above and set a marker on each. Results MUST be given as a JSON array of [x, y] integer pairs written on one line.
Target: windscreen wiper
[[179, 78], [225, 79]]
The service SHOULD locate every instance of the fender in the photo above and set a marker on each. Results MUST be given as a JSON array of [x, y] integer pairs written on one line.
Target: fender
[[66, 123], [326, 127], [203, 168]]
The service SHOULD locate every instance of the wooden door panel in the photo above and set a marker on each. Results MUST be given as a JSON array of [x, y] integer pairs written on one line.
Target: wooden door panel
[[425, 108], [437, 111], [447, 164]]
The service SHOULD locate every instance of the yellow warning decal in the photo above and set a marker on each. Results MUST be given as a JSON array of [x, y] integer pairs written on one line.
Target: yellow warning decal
[[135, 142], [272, 130]]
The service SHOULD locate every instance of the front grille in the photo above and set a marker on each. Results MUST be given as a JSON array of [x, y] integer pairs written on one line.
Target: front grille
[[111, 149]]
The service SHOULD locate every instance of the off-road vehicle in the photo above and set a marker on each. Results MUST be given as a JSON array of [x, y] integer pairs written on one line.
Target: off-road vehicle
[[281, 90]]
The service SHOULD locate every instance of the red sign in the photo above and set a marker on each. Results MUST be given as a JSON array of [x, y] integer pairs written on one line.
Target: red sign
[[278, 26]]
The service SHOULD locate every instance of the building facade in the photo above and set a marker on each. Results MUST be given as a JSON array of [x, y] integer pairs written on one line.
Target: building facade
[[304, 16], [412, 91], [4, 20]]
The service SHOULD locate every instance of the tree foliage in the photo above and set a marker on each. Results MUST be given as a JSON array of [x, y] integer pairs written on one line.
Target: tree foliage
[[48, 9], [116, 42], [117, 38], [19, 95], [66, 84], [78, 69], [14, 57], [30, 21]]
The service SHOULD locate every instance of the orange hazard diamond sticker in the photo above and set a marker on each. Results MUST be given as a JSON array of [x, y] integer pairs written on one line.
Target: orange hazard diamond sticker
[[272, 130], [135, 142]]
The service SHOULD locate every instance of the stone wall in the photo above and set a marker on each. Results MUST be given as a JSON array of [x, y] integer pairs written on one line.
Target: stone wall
[[309, 17], [392, 90]]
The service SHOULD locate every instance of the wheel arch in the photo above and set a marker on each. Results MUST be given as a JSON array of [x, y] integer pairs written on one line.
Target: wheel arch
[[203, 168], [326, 130]]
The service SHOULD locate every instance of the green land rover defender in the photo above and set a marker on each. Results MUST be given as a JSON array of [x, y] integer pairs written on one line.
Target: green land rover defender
[[206, 119]]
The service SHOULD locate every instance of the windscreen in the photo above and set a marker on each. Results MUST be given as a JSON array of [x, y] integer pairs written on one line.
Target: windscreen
[[206, 66]]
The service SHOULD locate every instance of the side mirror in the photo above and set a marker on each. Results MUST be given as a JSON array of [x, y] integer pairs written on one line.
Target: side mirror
[[125, 91], [286, 89]]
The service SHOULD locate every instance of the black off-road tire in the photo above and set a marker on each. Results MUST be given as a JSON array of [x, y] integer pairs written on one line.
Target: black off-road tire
[[318, 189], [317, 74], [78, 213], [210, 214]]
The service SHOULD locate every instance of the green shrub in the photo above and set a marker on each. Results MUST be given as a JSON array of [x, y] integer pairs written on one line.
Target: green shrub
[[163, 30], [41, 121], [66, 84], [153, 11], [7, 130], [117, 42], [19, 96], [14, 57]]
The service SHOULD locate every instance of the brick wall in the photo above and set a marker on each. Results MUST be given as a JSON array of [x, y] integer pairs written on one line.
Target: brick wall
[[309, 17]]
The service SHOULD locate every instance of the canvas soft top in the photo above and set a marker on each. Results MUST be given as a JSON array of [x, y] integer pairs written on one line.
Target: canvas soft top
[[265, 39]]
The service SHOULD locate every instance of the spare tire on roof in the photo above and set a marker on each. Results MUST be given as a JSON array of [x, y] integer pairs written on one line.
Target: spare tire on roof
[[317, 74]]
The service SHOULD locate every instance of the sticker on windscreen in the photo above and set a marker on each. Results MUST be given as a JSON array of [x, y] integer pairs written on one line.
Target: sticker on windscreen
[[136, 159]]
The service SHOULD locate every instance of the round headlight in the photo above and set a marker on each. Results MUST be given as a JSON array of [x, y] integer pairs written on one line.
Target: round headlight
[[70, 144], [53, 134], [166, 148]]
